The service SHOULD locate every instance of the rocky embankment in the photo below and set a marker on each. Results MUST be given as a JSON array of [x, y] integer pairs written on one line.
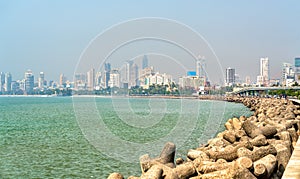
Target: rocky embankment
[[258, 146]]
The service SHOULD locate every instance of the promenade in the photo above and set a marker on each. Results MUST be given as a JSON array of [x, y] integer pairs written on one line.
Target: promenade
[[292, 170]]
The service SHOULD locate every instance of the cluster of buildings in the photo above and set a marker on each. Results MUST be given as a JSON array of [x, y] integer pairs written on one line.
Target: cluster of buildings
[[127, 76], [131, 75], [290, 75]]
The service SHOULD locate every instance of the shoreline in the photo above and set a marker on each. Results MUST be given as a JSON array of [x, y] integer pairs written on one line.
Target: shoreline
[[258, 146]]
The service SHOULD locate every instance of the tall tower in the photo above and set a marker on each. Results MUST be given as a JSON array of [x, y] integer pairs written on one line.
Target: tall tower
[[2, 81], [29, 82], [264, 70], [230, 76], [106, 75], [200, 67], [297, 69], [145, 62], [8, 79], [41, 80], [91, 79], [62, 80]]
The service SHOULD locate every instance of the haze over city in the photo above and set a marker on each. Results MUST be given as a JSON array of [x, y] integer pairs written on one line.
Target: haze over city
[[50, 36]]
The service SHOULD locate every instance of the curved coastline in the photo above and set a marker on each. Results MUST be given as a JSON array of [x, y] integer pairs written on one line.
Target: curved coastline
[[258, 146]]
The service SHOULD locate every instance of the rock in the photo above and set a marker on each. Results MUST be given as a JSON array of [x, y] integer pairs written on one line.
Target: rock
[[265, 165], [179, 161], [115, 176], [193, 154], [155, 172], [185, 170]]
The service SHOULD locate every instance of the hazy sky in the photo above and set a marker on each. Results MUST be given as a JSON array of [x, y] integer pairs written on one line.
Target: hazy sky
[[50, 36]]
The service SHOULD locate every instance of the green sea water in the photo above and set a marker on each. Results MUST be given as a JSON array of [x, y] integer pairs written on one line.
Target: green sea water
[[44, 137]]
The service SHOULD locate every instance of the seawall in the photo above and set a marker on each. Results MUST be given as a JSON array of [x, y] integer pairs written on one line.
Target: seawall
[[258, 146]]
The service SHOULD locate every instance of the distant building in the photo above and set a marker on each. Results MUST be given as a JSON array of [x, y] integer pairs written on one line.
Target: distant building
[[15, 87], [80, 81], [144, 74], [2, 81], [8, 79], [134, 76], [230, 77], [287, 74], [193, 82], [62, 80], [114, 80], [41, 80], [248, 80], [145, 62], [264, 72], [106, 75], [191, 73], [297, 69], [156, 79], [29, 82], [129, 74], [91, 79], [200, 67]]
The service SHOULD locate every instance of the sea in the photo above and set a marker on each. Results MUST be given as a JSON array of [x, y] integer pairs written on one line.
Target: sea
[[91, 137]]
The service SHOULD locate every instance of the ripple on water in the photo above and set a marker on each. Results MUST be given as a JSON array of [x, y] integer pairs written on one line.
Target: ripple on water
[[40, 138]]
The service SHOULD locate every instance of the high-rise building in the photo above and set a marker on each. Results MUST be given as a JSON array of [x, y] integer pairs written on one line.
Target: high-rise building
[[29, 82], [41, 80], [264, 70], [114, 79], [145, 62], [62, 80], [200, 67], [133, 75], [80, 81], [297, 69], [106, 75], [107, 67], [287, 74], [230, 77], [91, 79], [2, 81], [8, 79], [248, 80]]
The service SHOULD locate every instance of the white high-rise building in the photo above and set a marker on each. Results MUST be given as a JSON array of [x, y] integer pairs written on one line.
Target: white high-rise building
[[91, 79], [2, 81], [230, 77], [8, 79], [288, 74], [114, 79], [41, 80], [264, 71], [29, 82], [200, 67]]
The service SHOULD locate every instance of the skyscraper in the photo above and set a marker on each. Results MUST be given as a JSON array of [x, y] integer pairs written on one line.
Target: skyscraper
[[114, 79], [230, 77], [62, 80], [133, 75], [145, 62], [91, 79], [41, 80], [200, 67], [264, 70], [297, 69], [2, 81], [106, 75], [29, 82], [8, 79], [287, 74]]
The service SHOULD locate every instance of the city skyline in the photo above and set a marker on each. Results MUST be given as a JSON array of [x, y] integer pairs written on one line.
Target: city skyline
[[36, 38]]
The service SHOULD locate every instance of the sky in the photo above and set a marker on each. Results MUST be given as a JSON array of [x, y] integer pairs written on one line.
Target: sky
[[53, 36]]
